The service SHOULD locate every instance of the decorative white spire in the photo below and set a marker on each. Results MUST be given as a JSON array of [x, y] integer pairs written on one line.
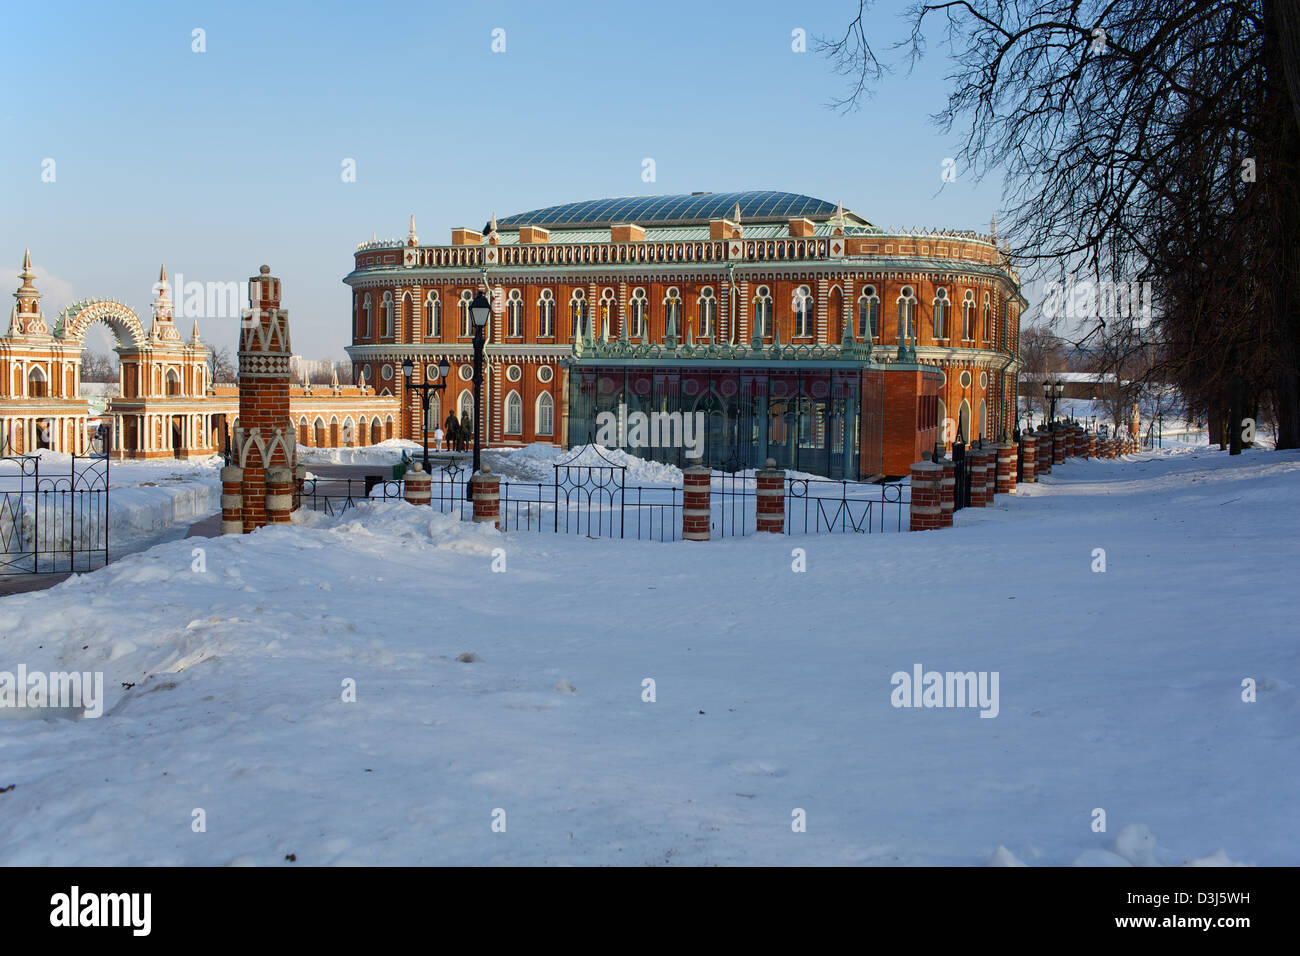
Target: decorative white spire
[[993, 228], [411, 238], [837, 221], [334, 368], [194, 336]]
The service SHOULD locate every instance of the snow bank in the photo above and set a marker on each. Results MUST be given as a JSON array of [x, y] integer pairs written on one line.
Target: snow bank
[[228, 689], [385, 453]]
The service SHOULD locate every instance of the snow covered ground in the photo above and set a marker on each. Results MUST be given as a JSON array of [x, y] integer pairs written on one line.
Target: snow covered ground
[[517, 695], [149, 500]]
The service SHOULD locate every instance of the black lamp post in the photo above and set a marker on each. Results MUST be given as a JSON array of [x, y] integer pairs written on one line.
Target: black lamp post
[[480, 309], [1051, 392], [426, 390]]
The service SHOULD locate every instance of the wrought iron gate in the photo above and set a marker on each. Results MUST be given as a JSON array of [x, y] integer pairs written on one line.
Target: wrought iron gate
[[589, 494], [52, 520]]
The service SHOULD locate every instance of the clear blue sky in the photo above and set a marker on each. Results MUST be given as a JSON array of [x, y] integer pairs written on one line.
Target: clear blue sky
[[217, 162]]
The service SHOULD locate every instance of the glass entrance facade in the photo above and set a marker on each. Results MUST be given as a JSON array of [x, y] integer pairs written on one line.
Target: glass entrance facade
[[808, 419]]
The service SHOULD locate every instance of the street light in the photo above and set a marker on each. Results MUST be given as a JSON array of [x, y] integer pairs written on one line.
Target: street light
[[426, 390], [1051, 392], [479, 311]]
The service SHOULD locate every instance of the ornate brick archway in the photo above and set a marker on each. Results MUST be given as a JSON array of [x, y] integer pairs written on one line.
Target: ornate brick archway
[[76, 320]]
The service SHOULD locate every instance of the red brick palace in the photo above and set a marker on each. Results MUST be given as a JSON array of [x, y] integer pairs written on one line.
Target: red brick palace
[[802, 331]]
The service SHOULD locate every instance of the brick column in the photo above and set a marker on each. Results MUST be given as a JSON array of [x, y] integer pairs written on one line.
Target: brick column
[[1008, 454], [990, 453], [696, 509], [1030, 468], [1058, 447], [265, 438], [279, 494], [770, 498], [417, 486], [1043, 460], [232, 500], [485, 489], [978, 478], [947, 492], [924, 509], [1092, 445]]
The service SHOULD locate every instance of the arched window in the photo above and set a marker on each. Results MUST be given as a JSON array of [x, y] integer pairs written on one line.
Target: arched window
[[943, 419], [466, 321], [173, 382], [546, 314], [802, 303], [763, 312], [607, 309], [868, 314], [545, 414], [578, 313], [673, 313], [984, 419], [636, 310], [708, 313], [963, 421], [432, 316], [37, 384], [968, 316], [988, 318], [514, 414], [906, 315], [466, 405], [318, 429], [941, 305], [515, 314], [435, 412], [365, 317], [376, 431], [386, 316], [349, 432]]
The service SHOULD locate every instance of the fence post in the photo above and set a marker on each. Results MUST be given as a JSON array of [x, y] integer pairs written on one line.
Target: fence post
[[769, 498], [1058, 447], [1030, 472], [947, 492], [979, 477], [232, 500], [417, 487], [1043, 447], [1092, 445], [485, 489], [696, 507], [1008, 454], [924, 509], [279, 494]]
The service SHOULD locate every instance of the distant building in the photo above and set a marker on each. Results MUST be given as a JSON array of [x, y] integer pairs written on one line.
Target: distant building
[[799, 330]]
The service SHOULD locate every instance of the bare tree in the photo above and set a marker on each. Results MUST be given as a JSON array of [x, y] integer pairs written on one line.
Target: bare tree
[[98, 367], [221, 367], [1150, 141]]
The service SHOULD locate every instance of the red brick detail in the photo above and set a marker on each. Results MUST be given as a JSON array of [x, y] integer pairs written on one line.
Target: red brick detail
[[417, 485], [1006, 468], [947, 493], [1043, 460], [696, 503], [979, 477], [485, 490], [1029, 469], [770, 499], [925, 506]]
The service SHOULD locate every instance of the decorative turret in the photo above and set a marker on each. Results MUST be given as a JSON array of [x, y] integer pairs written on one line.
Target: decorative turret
[[492, 237], [411, 238], [164, 325], [26, 317]]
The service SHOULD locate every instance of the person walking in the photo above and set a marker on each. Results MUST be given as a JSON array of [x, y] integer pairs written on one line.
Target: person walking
[[438, 435]]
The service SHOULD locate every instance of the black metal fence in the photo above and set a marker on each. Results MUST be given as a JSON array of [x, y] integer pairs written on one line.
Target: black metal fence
[[53, 520], [589, 496], [812, 506]]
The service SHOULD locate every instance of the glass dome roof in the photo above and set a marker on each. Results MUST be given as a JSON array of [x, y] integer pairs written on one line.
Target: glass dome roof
[[756, 205]]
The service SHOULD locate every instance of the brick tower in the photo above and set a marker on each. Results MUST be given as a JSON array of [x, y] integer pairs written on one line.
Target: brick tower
[[264, 437]]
